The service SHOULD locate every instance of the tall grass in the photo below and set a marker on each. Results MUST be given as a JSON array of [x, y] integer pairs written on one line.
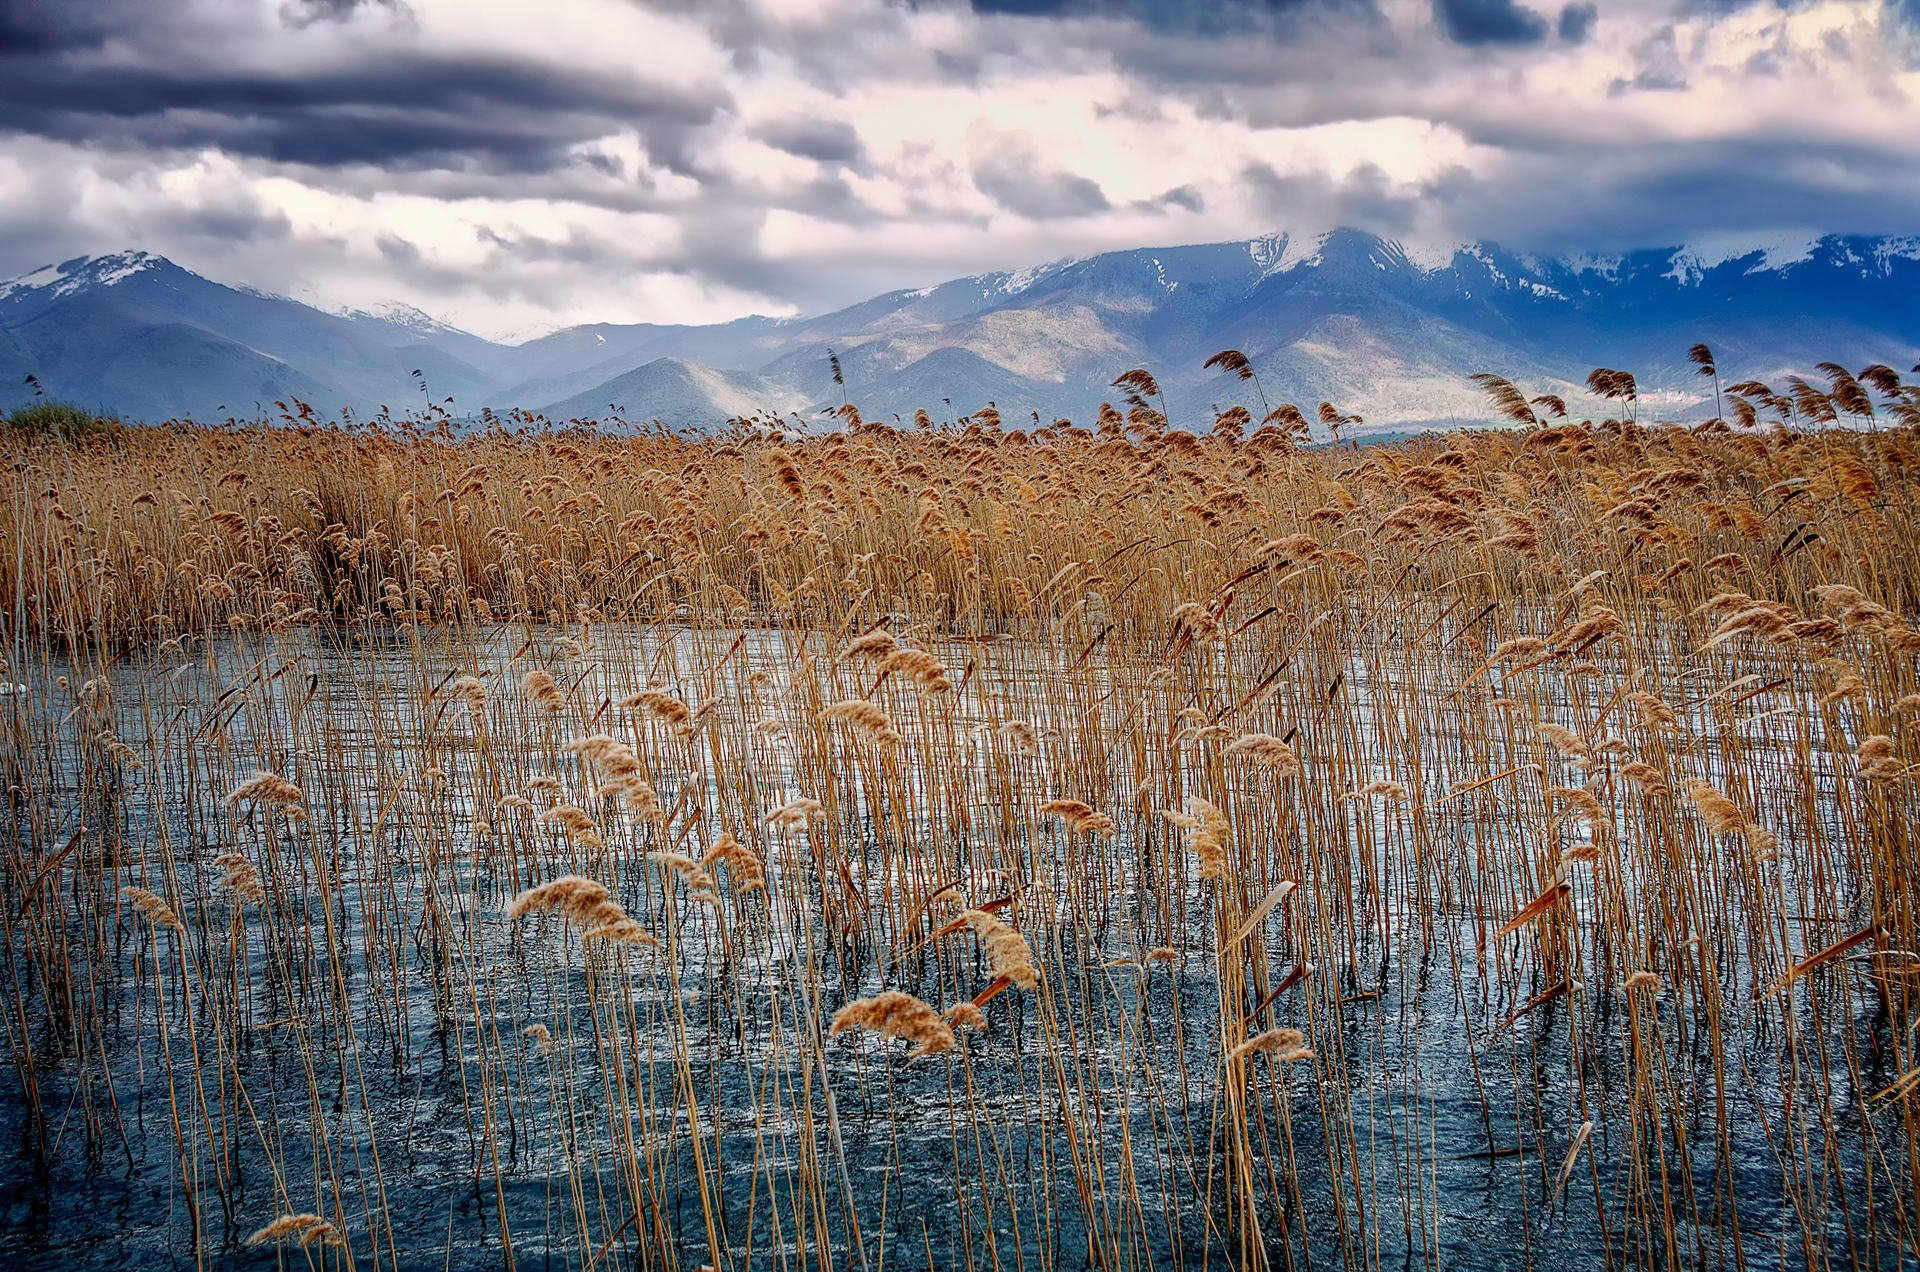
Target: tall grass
[[970, 848]]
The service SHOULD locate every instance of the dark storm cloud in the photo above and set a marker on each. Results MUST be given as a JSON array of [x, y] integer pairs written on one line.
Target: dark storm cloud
[[42, 27], [517, 117], [1576, 22], [1182, 197], [1474, 22], [1181, 47], [1021, 187], [122, 75], [1211, 17], [824, 140], [301, 13], [1364, 200], [1661, 195], [398, 251], [231, 224]]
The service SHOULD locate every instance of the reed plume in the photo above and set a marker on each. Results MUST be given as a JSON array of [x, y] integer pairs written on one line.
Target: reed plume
[[308, 1229], [894, 1013], [926, 671], [267, 787], [965, 1015], [662, 706], [1264, 750], [540, 685], [152, 908], [794, 814], [1008, 954], [700, 884], [471, 691], [865, 719], [875, 645], [583, 904], [240, 877], [1877, 761], [576, 823], [1283, 1044], [1722, 815], [1207, 834], [744, 867], [1080, 818]]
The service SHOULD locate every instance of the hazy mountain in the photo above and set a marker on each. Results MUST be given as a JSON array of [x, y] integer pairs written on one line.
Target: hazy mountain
[[1381, 329], [675, 389], [136, 333]]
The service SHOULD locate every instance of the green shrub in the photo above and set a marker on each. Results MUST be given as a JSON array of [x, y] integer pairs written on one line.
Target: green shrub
[[71, 423]]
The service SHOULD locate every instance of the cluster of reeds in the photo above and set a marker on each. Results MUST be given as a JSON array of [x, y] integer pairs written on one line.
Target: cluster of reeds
[[976, 847]]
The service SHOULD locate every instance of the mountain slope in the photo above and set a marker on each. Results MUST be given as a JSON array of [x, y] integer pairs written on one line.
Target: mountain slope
[[1382, 329], [137, 333], [673, 389]]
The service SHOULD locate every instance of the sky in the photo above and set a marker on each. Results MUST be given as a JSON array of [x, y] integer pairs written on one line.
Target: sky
[[511, 167]]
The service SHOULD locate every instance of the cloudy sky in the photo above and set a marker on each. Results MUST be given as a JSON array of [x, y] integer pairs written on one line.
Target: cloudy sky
[[513, 164]]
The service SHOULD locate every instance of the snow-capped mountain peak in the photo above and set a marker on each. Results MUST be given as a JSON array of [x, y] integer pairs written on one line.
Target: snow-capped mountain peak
[[1430, 256], [1691, 261], [1279, 253], [1013, 282], [397, 313], [80, 274]]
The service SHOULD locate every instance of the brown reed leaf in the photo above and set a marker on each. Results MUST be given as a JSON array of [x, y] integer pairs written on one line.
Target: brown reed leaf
[[1533, 909], [1545, 996], [1278, 893], [1813, 962], [1580, 1138]]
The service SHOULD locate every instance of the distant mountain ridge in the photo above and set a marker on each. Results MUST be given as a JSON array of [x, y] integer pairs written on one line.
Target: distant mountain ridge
[[1385, 330]]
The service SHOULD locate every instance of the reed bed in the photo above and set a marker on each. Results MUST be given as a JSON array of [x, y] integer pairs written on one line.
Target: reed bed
[[962, 848]]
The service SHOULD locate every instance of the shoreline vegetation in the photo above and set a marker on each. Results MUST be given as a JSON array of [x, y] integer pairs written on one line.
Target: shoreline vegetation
[[968, 846]]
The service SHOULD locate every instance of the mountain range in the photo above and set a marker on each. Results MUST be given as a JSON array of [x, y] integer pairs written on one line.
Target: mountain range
[[1382, 330]]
